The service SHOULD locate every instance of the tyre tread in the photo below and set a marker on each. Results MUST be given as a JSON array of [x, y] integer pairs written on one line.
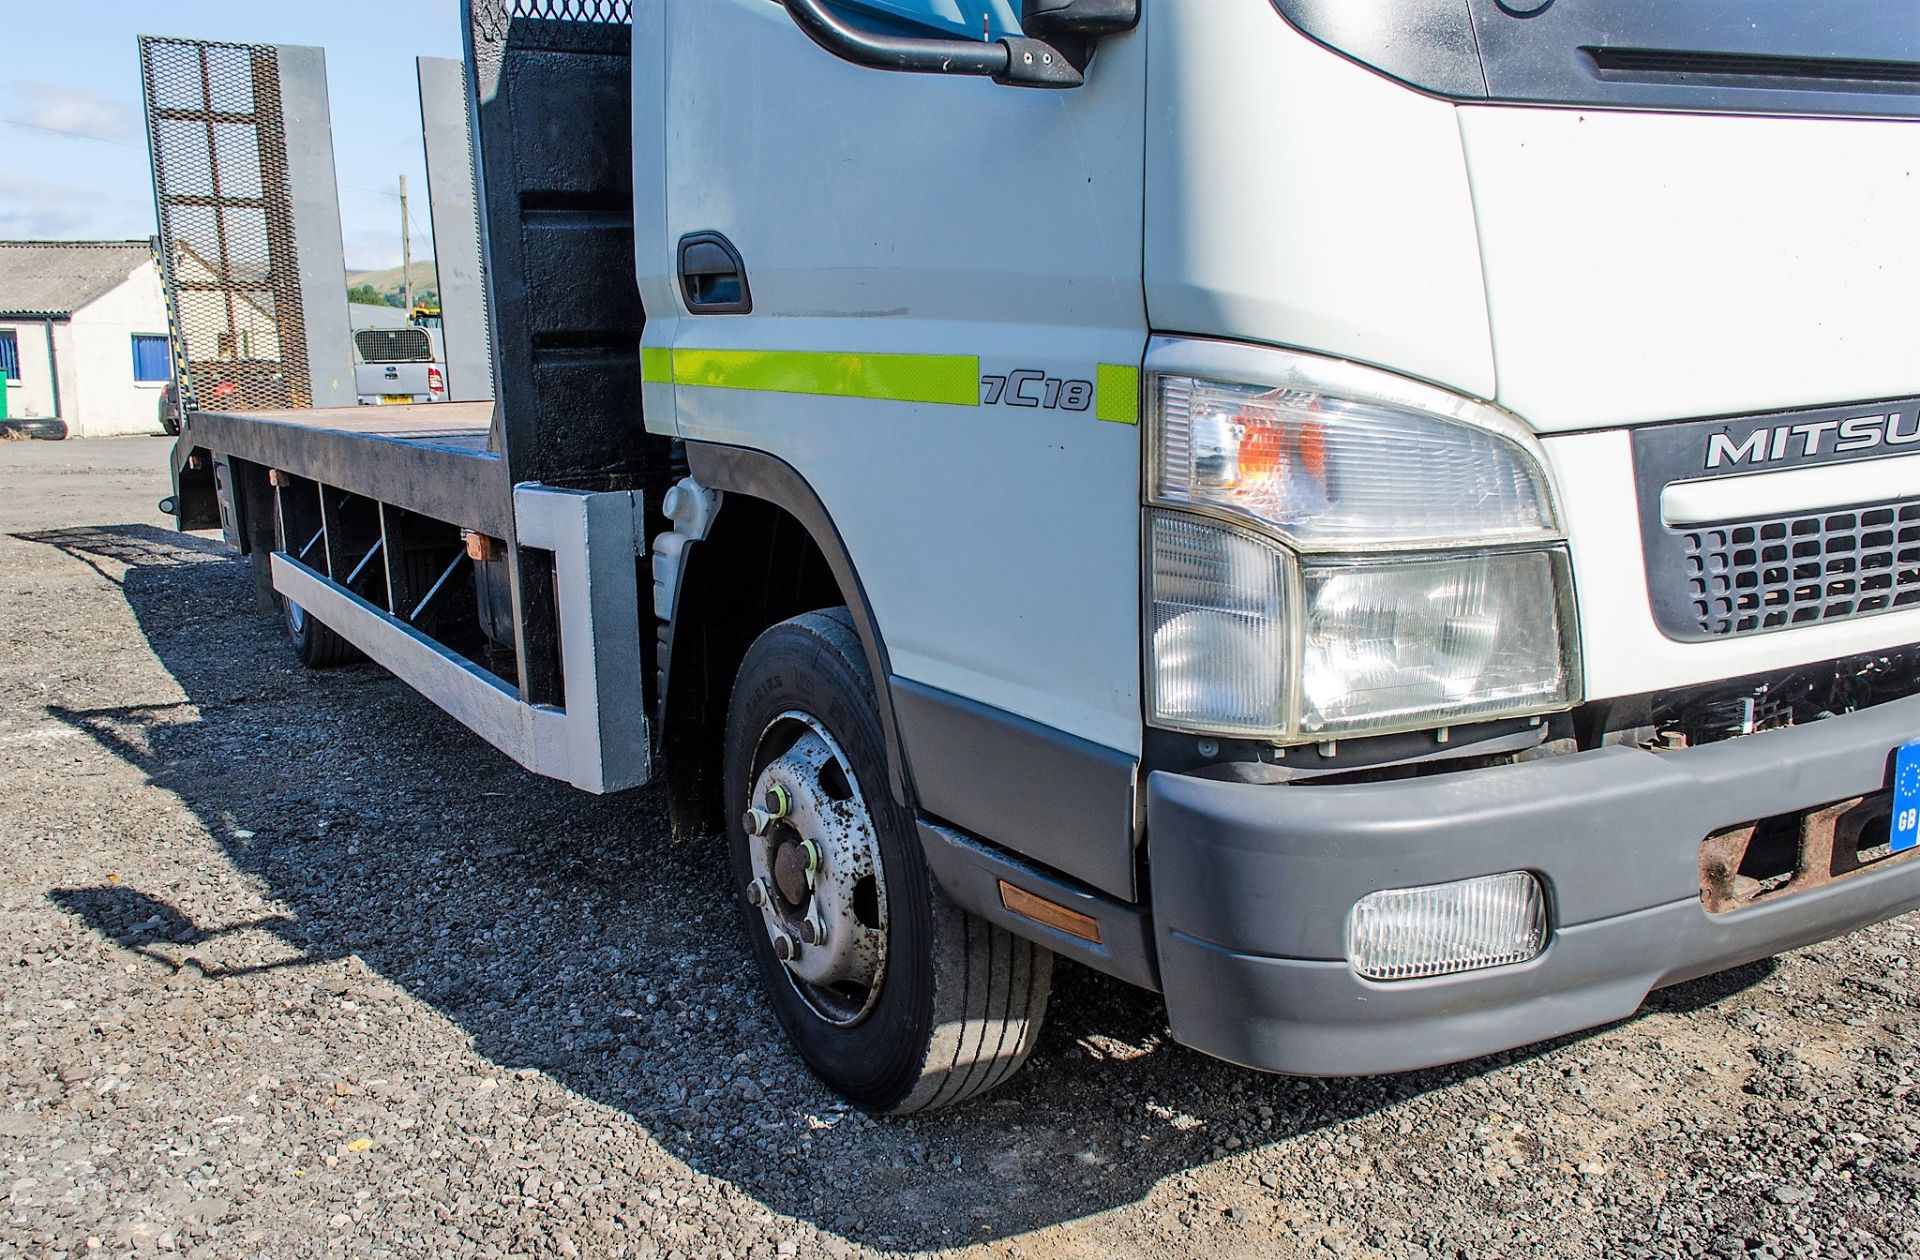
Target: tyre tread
[[325, 649], [991, 1023], [990, 987]]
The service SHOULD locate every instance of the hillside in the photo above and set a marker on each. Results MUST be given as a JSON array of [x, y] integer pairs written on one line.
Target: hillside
[[387, 280]]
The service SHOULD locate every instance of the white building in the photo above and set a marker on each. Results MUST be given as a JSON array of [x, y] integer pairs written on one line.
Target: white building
[[83, 335]]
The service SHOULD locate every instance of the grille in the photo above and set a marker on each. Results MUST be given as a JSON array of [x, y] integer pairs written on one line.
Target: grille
[[1750, 577], [217, 137], [394, 345], [490, 17]]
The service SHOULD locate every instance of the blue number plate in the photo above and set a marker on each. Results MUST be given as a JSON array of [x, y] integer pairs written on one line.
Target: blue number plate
[[1906, 798]]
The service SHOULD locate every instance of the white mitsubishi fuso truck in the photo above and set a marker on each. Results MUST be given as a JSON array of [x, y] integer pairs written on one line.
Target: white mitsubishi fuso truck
[[1392, 523]]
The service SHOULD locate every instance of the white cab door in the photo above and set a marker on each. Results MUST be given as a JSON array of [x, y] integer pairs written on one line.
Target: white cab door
[[995, 234]]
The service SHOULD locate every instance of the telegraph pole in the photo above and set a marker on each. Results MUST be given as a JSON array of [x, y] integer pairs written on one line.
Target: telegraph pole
[[406, 251]]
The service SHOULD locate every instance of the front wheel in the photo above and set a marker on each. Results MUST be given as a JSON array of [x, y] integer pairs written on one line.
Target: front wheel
[[895, 997]]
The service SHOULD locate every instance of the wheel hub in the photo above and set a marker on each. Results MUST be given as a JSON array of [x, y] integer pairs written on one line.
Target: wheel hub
[[790, 873], [817, 879]]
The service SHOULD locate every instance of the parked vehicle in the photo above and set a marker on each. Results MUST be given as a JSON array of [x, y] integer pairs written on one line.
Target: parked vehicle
[[398, 365], [1397, 527], [170, 409]]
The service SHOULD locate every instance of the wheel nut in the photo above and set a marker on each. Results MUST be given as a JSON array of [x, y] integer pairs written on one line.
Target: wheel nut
[[785, 948], [756, 821], [756, 895], [810, 931], [778, 804]]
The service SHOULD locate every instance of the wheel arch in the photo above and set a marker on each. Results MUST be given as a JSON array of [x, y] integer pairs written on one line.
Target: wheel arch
[[774, 534]]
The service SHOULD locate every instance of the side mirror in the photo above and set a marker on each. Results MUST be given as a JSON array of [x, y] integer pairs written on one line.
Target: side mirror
[[1073, 26]]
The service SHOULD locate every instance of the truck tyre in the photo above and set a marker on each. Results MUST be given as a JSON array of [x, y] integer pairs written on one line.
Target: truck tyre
[[894, 996], [315, 645]]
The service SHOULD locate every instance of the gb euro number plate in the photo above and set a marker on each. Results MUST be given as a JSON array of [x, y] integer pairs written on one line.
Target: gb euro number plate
[[1906, 798]]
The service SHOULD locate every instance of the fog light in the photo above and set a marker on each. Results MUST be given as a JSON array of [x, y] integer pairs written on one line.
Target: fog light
[[1438, 929]]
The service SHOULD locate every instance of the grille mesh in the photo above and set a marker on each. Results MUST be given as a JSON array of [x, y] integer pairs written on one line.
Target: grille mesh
[[1750, 577], [491, 16], [394, 345], [218, 143]]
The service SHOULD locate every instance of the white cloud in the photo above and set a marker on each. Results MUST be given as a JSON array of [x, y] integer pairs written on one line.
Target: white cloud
[[371, 249], [75, 110], [38, 209]]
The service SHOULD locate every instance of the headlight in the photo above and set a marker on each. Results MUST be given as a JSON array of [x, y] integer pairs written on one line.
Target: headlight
[[1400, 565], [1248, 639], [1222, 635], [1433, 641], [1419, 468]]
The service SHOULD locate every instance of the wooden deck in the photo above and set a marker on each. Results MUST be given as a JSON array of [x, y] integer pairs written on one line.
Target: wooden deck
[[430, 458], [460, 426]]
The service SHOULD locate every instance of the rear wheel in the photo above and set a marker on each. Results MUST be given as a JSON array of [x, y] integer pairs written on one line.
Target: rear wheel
[[314, 644], [895, 997]]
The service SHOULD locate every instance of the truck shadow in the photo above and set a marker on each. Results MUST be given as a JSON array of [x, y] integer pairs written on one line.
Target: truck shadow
[[571, 935]]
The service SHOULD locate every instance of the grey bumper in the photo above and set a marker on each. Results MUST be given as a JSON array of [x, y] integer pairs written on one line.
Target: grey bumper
[[1252, 884]]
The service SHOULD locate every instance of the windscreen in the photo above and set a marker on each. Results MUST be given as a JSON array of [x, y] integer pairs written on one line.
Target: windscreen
[[1759, 56]]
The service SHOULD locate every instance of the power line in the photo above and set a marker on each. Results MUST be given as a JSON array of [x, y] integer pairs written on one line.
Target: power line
[[73, 135]]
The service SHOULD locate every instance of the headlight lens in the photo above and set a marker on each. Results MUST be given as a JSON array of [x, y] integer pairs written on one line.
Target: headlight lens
[[1220, 629], [1248, 639], [1433, 640], [1402, 464], [1398, 564]]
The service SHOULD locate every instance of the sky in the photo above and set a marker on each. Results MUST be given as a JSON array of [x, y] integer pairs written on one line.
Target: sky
[[73, 150]]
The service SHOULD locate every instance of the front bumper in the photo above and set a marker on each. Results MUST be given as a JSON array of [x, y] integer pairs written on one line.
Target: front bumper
[[1252, 884]]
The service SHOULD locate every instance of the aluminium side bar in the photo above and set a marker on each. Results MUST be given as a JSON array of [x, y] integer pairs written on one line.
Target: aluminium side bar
[[599, 740]]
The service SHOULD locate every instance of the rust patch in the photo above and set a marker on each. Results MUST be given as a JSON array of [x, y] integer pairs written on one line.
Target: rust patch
[[1776, 857]]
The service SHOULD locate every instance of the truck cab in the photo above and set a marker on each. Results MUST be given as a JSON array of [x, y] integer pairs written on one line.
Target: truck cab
[[1396, 526]]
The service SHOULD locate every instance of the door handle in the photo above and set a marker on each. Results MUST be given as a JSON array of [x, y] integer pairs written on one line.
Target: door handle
[[713, 280]]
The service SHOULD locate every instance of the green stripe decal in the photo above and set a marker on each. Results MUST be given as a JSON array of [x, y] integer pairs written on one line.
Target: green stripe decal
[[656, 365], [953, 379], [1117, 393]]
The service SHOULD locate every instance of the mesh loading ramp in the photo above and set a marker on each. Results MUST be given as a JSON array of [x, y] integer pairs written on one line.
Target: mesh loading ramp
[[248, 218]]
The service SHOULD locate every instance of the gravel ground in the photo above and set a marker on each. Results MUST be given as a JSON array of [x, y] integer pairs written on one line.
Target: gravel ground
[[294, 966]]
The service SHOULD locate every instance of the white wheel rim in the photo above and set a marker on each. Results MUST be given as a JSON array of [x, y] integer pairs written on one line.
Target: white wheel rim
[[828, 929]]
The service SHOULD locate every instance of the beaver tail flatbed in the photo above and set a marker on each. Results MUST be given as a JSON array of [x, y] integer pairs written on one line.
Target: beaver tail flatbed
[[489, 553]]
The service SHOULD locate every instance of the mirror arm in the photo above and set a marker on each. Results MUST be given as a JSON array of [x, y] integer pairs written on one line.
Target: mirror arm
[[1015, 61]]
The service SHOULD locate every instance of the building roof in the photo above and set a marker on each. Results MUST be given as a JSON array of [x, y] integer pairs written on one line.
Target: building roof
[[57, 278]]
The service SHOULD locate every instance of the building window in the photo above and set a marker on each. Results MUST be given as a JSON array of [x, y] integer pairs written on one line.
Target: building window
[[10, 353], [151, 362]]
